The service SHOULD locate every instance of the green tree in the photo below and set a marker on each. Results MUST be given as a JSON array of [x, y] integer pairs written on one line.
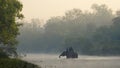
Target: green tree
[[9, 27]]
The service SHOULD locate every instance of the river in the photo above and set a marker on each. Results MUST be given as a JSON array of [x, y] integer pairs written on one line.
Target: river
[[53, 61]]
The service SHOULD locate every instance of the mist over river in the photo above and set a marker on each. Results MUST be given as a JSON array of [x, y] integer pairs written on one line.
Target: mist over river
[[53, 61]]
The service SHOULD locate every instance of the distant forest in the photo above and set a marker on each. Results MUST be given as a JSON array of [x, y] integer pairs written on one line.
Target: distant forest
[[95, 32]]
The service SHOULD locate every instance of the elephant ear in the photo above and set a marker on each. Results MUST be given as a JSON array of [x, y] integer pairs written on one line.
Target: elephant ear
[[63, 53]]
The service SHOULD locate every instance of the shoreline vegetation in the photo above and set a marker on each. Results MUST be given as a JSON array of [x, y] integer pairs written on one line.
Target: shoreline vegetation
[[16, 63]]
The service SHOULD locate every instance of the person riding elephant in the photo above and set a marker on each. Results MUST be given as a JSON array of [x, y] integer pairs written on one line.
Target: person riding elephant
[[69, 53]]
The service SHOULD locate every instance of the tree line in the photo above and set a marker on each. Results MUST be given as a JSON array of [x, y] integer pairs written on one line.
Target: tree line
[[93, 32]]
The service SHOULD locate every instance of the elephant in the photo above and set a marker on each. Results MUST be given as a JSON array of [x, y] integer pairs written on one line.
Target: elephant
[[69, 53]]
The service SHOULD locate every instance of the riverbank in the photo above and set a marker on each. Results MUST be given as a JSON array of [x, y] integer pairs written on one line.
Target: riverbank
[[16, 63]]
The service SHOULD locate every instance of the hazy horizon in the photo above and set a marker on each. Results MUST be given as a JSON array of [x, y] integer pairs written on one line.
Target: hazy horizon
[[44, 9], [88, 33]]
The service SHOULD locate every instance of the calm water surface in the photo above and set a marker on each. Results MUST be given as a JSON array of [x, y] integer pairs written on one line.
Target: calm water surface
[[52, 61]]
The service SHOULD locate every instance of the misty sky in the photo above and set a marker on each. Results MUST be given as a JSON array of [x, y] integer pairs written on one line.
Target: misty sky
[[44, 9]]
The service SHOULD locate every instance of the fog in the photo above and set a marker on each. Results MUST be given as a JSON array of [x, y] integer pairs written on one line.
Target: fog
[[89, 33], [44, 9]]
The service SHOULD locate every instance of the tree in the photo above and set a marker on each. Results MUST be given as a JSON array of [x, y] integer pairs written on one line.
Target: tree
[[9, 27], [103, 15]]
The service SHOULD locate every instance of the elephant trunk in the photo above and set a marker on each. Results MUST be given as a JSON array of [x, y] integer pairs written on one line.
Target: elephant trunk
[[59, 56]]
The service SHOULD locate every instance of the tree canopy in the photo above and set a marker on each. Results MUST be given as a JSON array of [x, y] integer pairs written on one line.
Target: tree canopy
[[9, 13], [9, 27]]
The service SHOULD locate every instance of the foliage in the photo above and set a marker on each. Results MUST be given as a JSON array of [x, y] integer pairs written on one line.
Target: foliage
[[9, 14], [15, 63], [3, 55]]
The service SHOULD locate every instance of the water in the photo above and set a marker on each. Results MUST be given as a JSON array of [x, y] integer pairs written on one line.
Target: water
[[52, 61]]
